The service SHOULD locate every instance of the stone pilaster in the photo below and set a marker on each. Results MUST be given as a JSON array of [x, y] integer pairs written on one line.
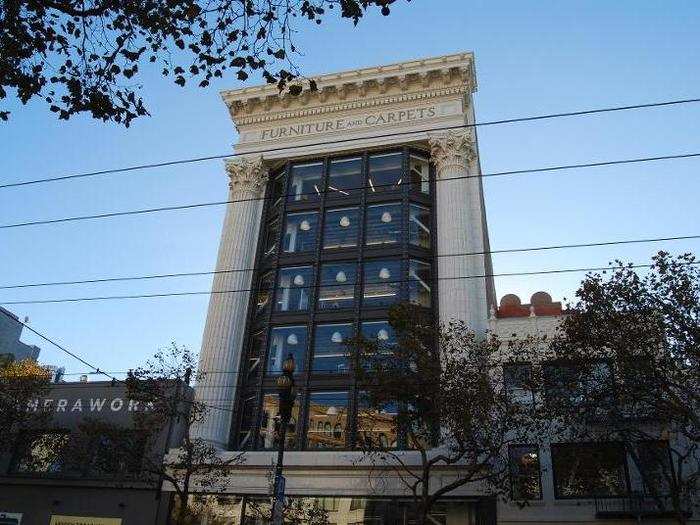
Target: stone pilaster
[[460, 229], [222, 342]]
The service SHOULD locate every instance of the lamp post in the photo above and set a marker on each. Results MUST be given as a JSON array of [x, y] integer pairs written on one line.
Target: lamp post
[[287, 394]]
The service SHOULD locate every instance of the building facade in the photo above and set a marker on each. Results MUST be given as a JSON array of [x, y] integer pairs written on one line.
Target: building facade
[[10, 345]]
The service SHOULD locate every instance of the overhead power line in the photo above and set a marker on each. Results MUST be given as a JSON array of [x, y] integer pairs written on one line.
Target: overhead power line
[[241, 290], [236, 270], [181, 207], [349, 140]]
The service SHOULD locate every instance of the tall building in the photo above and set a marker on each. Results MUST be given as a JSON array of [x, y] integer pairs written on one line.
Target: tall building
[[10, 345]]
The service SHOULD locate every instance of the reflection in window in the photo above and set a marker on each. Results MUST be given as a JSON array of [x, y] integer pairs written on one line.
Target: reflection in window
[[376, 428], [341, 228], [584, 470], [305, 182], [345, 177], [330, 350], [380, 331], [286, 341], [264, 292], [245, 432], [255, 354], [419, 226], [385, 172], [337, 289], [382, 283], [525, 471], [383, 224], [277, 190], [300, 232], [655, 467], [327, 420], [293, 289], [272, 232], [419, 282], [517, 379], [270, 422], [419, 170], [43, 454]]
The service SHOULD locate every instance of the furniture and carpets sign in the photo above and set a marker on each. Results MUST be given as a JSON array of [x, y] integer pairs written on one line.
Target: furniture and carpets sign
[[83, 520]]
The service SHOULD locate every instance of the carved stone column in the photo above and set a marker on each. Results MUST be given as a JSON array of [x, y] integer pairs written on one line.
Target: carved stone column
[[460, 229], [222, 342]]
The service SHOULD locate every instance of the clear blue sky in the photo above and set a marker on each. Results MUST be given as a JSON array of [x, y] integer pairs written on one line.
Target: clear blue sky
[[531, 58]]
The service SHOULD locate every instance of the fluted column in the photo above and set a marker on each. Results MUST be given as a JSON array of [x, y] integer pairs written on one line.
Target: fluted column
[[460, 229], [222, 342]]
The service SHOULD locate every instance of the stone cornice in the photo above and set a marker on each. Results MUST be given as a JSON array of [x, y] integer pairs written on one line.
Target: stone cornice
[[357, 89], [247, 175]]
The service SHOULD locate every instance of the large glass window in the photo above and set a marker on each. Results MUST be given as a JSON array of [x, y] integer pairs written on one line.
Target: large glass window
[[380, 331], [294, 289], [385, 172], [245, 431], [383, 224], [43, 453], [327, 420], [305, 182], [337, 289], [376, 427], [270, 423], [272, 232], [330, 350], [419, 226], [300, 232], [419, 171], [286, 341], [525, 472], [276, 191], [382, 283], [345, 177], [517, 380], [255, 355], [264, 292], [341, 228], [419, 283], [585, 470]]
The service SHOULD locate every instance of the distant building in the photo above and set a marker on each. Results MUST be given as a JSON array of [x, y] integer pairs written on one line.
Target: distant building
[[10, 345]]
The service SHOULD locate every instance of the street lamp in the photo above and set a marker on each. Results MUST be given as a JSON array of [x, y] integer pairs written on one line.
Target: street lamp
[[287, 394]]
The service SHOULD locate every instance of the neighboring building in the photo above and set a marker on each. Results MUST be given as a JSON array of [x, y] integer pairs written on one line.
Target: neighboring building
[[36, 486], [10, 345]]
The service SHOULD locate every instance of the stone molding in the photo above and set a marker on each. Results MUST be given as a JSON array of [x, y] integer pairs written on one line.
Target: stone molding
[[246, 174], [454, 149]]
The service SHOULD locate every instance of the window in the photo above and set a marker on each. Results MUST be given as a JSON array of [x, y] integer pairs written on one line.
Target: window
[[419, 172], [255, 354], [517, 381], [345, 177], [305, 182], [382, 283], [293, 289], [525, 471], [42, 454], [419, 222], [419, 283], [585, 470], [337, 289], [655, 467], [327, 420], [300, 232], [264, 292], [341, 228], [330, 351], [376, 429], [568, 384], [385, 172], [117, 454], [245, 431], [380, 331], [383, 225], [270, 423], [272, 232], [285, 341], [277, 190]]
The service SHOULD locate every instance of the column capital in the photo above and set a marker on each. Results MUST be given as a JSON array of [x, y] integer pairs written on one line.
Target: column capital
[[246, 174], [452, 149]]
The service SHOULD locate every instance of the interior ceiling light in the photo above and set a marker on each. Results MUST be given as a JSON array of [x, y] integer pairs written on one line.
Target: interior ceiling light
[[292, 339], [341, 277], [384, 273], [337, 337], [386, 217], [383, 335], [344, 221], [305, 226], [299, 280]]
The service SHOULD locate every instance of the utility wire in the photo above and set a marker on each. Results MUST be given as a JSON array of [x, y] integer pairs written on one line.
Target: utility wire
[[319, 192], [339, 141], [235, 270], [397, 281]]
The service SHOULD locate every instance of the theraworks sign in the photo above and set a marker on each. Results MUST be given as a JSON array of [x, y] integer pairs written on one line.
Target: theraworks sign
[[82, 520], [88, 404]]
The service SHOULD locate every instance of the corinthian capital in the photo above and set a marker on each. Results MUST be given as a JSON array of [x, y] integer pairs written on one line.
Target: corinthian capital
[[246, 174], [452, 150]]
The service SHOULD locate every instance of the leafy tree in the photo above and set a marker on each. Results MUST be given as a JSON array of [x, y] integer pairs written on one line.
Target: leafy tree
[[86, 55], [627, 370], [452, 410], [21, 382]]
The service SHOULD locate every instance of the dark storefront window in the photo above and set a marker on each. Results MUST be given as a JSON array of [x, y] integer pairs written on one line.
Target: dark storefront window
[[345, 177], [525, 472], [419, 283], [385, 172], [586, 470], [42, 453], [419, 226], [330, 350]]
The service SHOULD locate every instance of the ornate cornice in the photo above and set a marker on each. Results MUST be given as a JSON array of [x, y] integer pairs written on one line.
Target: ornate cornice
[[454, 149], [246, 174]]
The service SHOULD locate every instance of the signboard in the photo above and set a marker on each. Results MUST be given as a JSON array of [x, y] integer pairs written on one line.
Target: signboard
[[83, 520], [10, 518], [279, 488]]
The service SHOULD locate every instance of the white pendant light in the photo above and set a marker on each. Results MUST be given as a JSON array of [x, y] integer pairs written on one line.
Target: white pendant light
[[386, 217], [341, 277], [344, 221], [383, 335], [292, 339], [304, 225], [299, 280], [337, 337], [384, 273]]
